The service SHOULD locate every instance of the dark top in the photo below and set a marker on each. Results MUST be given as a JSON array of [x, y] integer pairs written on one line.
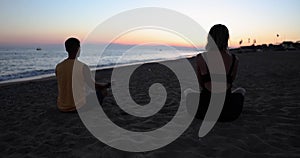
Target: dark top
[[207, 77], [233, 103]]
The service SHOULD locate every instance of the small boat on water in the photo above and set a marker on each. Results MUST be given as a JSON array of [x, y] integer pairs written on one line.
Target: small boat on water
[[38, 49]]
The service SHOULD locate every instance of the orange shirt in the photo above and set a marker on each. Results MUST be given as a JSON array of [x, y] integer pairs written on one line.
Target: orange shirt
[[71, 86]]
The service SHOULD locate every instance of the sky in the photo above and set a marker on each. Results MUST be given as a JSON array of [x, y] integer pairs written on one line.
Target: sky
[[45, 22]]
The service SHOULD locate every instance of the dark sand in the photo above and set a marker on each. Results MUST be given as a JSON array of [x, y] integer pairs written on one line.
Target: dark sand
[[32, 126]]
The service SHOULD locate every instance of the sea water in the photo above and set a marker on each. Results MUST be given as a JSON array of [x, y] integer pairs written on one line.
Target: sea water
[[20, 63]]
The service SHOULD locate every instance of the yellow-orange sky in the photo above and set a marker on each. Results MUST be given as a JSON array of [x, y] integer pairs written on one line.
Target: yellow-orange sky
[[37, 22]]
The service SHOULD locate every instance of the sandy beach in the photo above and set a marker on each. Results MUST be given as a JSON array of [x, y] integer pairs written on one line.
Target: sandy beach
[[32, 126]]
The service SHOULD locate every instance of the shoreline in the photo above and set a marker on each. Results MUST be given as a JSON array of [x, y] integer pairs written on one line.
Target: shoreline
[[52, 75]]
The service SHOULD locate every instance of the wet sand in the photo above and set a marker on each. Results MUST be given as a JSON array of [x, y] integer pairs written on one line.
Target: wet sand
[[32, 126]]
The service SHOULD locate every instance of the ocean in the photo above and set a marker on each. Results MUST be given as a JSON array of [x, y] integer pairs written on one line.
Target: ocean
[[29, 63]]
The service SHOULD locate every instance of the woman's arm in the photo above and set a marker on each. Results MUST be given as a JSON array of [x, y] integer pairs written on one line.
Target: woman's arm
[[235, 69], [201, 69]]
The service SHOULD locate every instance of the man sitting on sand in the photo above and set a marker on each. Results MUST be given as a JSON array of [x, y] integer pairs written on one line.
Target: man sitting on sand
[[64, 74]]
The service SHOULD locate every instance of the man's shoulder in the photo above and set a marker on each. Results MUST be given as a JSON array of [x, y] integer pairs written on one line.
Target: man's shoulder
[[80, 62], [68, 63], [60, 64]]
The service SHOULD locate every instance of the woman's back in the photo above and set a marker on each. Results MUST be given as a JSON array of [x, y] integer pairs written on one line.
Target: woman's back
[[230, 64]]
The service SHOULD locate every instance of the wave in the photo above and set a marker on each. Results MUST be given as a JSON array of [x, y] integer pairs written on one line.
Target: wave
[[26, 74], [38, 74]]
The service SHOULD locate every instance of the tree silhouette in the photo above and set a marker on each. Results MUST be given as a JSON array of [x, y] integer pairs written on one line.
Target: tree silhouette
[[241, 41]]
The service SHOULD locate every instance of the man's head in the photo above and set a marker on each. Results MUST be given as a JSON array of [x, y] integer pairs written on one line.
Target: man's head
[[72, 46]]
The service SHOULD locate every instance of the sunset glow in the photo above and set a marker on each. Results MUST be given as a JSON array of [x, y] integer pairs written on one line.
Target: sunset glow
[[152, 36], [51, 22]]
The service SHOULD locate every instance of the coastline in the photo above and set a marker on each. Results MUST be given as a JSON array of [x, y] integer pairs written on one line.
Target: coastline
[[52, 75]]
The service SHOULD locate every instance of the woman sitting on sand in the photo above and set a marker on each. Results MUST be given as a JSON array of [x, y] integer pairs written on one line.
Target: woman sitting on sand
[[218, 43]]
